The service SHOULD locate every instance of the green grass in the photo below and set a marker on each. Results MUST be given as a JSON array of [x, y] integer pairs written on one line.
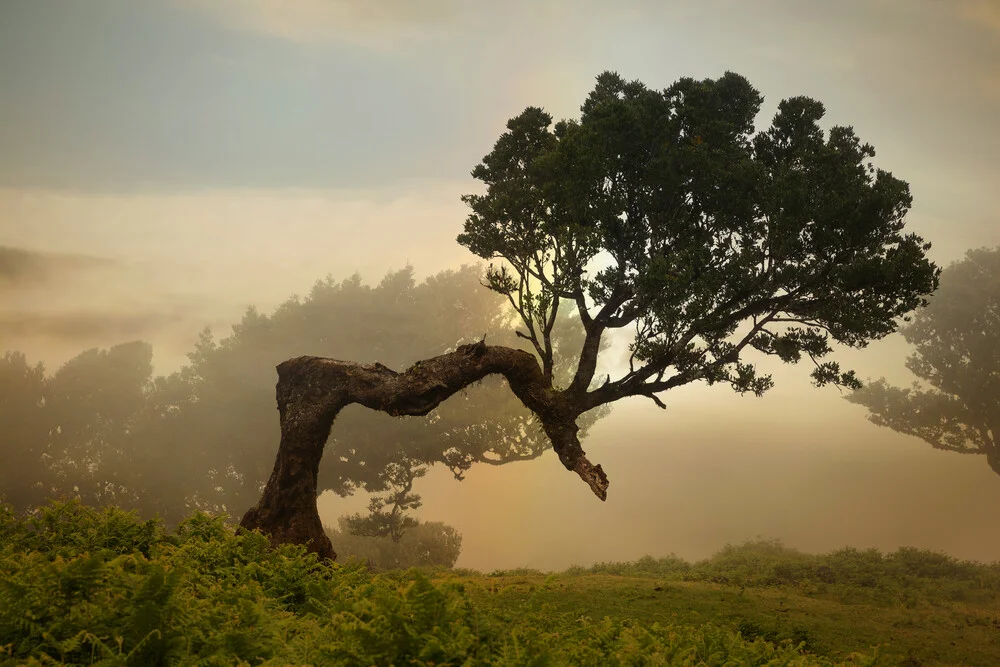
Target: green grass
[[88, 586], [833, 623]]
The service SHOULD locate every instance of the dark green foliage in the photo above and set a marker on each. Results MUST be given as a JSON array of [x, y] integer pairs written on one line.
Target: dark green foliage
[[130, 593], [205, 594], [665, 211], [955, 405]]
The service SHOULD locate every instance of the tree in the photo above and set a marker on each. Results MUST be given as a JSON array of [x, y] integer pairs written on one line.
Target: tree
[[91, 404], [222, 417], [25, 431], [71, 434], [105, 430], [429, 543], [955, 404], [659, 211]]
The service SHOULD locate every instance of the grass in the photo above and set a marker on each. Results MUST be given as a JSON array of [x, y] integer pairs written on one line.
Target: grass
[[833, 623], [85, 586]]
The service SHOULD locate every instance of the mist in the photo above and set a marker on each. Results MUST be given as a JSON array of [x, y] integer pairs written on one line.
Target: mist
[[800, 464], [187, 215]]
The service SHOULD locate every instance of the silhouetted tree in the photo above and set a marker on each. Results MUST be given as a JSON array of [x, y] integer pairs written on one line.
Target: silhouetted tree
[[25, 479], [91, 404], [70, 435], [429, 543], [955, 404], [658, 211]]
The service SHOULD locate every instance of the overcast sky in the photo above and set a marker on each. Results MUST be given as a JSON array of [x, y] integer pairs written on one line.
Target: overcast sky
[[211, 154]]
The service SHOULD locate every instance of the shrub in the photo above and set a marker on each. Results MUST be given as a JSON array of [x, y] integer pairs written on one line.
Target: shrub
[[428, 544]]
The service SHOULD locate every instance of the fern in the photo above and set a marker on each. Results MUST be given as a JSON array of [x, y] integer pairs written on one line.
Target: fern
[[82, 586]]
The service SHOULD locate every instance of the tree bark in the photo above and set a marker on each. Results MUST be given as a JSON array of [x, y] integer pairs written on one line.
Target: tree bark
[[311, 391]]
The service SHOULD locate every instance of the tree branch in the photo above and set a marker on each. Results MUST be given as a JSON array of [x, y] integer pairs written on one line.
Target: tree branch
[[311, 392], [587, 365]]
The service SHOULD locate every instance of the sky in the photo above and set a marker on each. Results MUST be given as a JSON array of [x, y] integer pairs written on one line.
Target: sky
[[164, 164]]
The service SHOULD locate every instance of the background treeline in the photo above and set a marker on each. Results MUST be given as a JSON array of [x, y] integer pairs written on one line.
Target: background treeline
[[102, 428]]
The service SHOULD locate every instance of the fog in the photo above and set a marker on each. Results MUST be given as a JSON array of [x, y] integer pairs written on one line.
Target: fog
[[158, 233], [200, 260]]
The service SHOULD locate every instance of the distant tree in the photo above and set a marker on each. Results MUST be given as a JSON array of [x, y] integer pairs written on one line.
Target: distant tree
[[658, 211], [95, 431], [423, 544], [955, 403], [215, 418], [105, 430], [71, 434], [25, 476], [91, 406]]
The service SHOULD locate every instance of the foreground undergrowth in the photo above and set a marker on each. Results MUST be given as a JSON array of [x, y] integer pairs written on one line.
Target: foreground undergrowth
[[99, 586]]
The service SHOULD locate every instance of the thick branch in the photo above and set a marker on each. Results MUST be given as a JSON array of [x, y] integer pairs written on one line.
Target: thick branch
[[311, 391], [594, 328], [637, 382]]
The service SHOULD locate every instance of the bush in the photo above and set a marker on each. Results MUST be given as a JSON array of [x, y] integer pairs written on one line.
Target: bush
[[428, 544], [755, 563], [647, 566], [907, 576]]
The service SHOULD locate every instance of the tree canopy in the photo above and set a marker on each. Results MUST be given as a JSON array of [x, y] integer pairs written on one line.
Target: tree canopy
[[666, 212], [955, 403], [658, 211]]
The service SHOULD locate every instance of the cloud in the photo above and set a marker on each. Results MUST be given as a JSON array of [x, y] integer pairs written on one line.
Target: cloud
[[81, 326], [378, 24], [53, 305], [179, 263], [20, 267]]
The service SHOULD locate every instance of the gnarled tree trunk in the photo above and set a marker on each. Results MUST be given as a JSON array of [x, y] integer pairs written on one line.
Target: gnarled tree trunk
[[311, 391]]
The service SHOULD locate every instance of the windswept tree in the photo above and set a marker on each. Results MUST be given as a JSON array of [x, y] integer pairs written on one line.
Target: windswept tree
[[660, 212], [212, 425], [955, 403]]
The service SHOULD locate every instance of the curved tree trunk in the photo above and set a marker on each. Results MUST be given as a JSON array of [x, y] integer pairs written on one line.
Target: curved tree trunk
[[311, 391]]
